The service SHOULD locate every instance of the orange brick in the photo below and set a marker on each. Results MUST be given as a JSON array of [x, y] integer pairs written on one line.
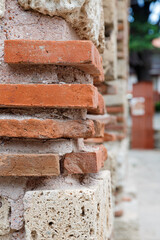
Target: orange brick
[[81, 54], [109, 137], [29, 165], [116, 127], [115, 109], [107, 89], [85, 162], [94, 140], [101, 109], [49, 129], [84, 96]]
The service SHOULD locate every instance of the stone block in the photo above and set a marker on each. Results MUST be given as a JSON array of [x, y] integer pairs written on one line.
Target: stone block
[[71, 210], [4, 216], [80, 54], [2, 8], [53, 95], [122, 68], [84, 16], [127, 225], [32, 146], [110, 12], [29, 165], [110, 57], [85, 162]]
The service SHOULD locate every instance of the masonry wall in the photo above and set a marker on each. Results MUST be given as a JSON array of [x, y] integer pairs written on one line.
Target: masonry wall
[[58, 118]]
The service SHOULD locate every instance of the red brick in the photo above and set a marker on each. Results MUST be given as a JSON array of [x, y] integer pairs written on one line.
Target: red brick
[[107, 89], [29, 165], [85, 162], [81, 54], [115, 109], [116, 127], [83, 96], [94, 140], [48, 129], [109, 137], [101, 109]]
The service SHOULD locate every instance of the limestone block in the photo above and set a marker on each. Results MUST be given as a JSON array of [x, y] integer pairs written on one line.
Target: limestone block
[[122, 68], [126, 227], [4, 216], [111, 165], [122, 11], [70, 211], [83, 15], [120, 97], [110, 12], [2, 8], [110, 57]]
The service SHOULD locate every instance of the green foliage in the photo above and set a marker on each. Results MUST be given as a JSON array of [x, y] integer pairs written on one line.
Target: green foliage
[[142, 34], [157, 107]]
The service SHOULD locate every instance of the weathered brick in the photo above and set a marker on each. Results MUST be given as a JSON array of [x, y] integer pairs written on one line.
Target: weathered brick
[[109, 89], [81, 54], [101, 109], [85, 162], [29, 165], [115, 109], [49, 129], [109, 137], [56, 96]]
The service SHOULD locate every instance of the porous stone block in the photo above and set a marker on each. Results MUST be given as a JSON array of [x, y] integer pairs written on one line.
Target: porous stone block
[[110, 12], [84, 16], [110, 57], [122, 69], [4, 216], [2, 8], [120, 97], [111, 165], [85, 162], [126, 227], [29, 165], [64, 53], [53, 95], [70, 211], [31, 146]]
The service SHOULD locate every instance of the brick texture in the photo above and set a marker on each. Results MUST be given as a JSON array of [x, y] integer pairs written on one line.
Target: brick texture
[[84, 96], [49, 129], [85, 162], [29, 165], [81, 54]]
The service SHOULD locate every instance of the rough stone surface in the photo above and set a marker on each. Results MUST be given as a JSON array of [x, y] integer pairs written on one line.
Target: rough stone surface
[[111, 165], [17, 146], [120, 97], [83, 15], [122, 69], [127, 226], [110, 57], [4, 216], [70, 211], [110, 12], [2, 8]]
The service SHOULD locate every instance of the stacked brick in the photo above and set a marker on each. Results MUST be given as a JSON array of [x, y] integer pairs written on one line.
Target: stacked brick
[[49, 62]]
